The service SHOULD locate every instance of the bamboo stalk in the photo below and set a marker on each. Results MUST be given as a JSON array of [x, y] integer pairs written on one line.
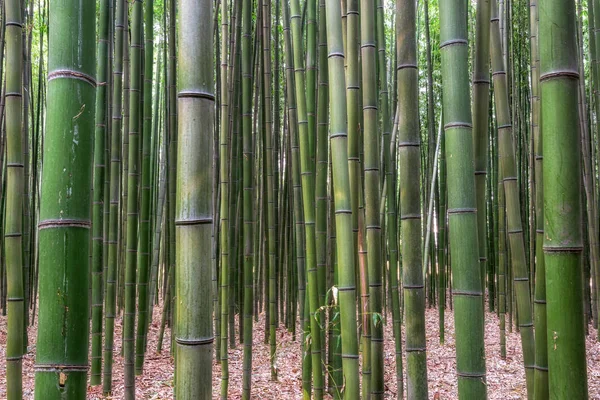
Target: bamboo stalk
[[462, 219], [410, 199], [143, 254], [98, 190], [194, 209], [115, 160], [506, 145], [559, 76], [13, 225], [342, 199], [64, 228]]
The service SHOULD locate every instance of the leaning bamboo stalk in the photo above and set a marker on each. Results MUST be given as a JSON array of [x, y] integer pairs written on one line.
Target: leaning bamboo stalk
[[389, 194], [143, 254], [429, 225], [513, 207]]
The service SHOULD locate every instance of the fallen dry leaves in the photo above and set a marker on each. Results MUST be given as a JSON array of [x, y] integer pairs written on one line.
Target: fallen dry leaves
[[505, 378]]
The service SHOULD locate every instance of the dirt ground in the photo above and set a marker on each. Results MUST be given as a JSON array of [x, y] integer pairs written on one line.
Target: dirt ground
[[505, 378]]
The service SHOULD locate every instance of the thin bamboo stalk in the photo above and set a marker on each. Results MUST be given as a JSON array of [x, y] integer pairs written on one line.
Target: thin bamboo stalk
[[13, 225], [115, 161], [143, 254], [98, 193], [342, 199], [308, 197], [514, 225]]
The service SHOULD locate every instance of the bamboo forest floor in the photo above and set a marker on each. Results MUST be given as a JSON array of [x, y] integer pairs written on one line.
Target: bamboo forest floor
[[505, 378]]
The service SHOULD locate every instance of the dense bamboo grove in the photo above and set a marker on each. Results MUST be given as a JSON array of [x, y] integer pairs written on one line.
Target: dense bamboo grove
[[339, 166]]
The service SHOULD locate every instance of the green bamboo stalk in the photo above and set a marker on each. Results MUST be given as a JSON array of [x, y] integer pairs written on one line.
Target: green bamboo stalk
[[124, 159], [13, 224], [594, 41], [143, 259], [2, 46], [462, 219], [157, 190], [308, 197], [133, 173], [107, 164], [193, 216], [224, 201], [353, 94], [335, 361], [172, 158], [270, 185], [277, 160], [235, 122], [410, 199], [353, 118], [431, 137], [372, 201], [481, 94], [363, 292], [594, 111], [167, 298], [541, 339], [342, 197], [64, 228], [310, 10], [502, 264], [27, 227], [430, 203], [442, 240], [98, 190], [390, 194], [115, 160], [160, 182], [216, 191], [513, 207], [567, 375], [300, 238], [588, 180], [322, 158], [248, 190], [596, 78]]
